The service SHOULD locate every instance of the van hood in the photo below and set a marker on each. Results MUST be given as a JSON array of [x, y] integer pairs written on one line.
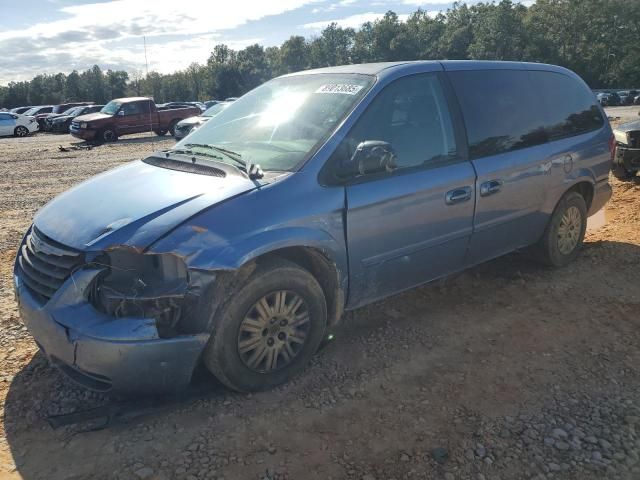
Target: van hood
[[91, 117], [133, 205]]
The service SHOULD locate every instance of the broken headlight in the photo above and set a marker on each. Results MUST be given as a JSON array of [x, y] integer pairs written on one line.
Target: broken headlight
[[141, 285]]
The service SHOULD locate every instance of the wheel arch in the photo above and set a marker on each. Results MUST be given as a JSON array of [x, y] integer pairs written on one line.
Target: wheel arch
[[322, 268], [109, 126], [584, 188]]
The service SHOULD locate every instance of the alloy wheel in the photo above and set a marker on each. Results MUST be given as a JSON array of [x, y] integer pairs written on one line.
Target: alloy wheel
[[569, 230], [273, 331]]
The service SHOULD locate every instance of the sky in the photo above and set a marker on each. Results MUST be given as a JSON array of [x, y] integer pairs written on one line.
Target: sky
[[51, 36]]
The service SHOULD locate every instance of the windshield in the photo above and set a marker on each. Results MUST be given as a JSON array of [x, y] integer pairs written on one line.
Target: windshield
[[282, 122], [72, 111], [215, 109], [111, 108], [31, 111]]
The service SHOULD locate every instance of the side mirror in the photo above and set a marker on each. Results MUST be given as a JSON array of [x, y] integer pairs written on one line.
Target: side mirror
[[371, 156], [374, 156], [121, 113]]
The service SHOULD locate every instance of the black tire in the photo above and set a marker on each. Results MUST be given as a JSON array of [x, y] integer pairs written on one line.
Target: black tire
[[160, 133], [21, 131], [107, 135], [549, 248], [621, 173], [222, 355], [172, 127]]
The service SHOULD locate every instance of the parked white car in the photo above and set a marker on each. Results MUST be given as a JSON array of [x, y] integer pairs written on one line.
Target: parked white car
[[186, 126], [17, 125]]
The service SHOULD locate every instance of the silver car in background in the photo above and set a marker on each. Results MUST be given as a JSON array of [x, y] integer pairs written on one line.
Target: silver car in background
[[184, 127]]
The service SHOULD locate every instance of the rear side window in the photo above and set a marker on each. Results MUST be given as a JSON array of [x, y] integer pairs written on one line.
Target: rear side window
[[570, 108], [500, 111]]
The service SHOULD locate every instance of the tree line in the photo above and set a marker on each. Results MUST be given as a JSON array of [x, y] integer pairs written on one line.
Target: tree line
[[598, 39]]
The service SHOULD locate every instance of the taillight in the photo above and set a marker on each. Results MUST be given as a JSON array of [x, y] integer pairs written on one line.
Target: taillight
[[612, 147]]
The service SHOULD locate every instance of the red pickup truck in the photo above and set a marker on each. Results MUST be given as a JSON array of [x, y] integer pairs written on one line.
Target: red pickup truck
[[124, 116]]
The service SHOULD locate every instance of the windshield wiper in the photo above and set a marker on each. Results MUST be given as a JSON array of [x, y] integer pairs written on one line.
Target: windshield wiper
[[252, 170], [184, 151]]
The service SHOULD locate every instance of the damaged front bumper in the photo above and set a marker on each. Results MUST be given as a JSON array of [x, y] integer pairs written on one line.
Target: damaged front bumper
[[628, 157], [103, 353]]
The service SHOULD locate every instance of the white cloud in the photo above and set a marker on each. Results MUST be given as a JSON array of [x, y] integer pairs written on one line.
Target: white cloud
[[160, 17], [353, 21], [111, 33], [448, 3], [333, 6]]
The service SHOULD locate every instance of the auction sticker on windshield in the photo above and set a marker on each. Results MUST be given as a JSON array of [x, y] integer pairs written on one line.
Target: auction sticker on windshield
[[346, 88]]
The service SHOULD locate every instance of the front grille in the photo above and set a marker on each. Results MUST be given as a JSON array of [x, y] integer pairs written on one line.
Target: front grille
[[45, 264], [75, 124]]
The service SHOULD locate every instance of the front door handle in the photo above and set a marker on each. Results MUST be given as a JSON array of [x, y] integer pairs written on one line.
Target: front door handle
[[458, 195], [490, 187]]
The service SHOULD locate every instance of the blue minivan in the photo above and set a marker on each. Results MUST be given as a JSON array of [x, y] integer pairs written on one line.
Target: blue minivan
[[315, 193]]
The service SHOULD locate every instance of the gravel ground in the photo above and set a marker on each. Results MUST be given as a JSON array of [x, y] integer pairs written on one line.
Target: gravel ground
[[624, 114], [507, 371]]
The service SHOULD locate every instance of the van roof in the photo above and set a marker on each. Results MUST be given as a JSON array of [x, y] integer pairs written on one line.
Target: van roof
[[377, 68]]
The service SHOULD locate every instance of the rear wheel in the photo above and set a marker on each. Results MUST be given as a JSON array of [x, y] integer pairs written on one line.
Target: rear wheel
[[21, 131], [564, 234], [269, 329]]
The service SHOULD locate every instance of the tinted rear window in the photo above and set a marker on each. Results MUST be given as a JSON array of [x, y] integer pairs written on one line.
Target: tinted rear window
[[570, 108], [500, 111]]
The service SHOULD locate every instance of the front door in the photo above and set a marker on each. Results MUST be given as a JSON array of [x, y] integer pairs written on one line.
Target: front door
[[135, 119], [413, 224]]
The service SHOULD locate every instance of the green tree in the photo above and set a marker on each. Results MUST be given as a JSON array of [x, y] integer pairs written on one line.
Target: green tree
[[499, 32], [294, 55]]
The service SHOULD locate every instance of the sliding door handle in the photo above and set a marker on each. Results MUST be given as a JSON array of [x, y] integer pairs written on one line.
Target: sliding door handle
[[458, 195], [490, 187]]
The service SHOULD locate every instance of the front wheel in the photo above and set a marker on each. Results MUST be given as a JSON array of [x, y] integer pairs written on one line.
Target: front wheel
[[564, 234], [21, 131], [172, 128], [107, 135], [269, 329], [621, 172]]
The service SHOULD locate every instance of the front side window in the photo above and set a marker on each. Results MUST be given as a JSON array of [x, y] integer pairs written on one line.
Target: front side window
[[412, 115], [134, 108], [500, 111], [281, 123], [570, 108]]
